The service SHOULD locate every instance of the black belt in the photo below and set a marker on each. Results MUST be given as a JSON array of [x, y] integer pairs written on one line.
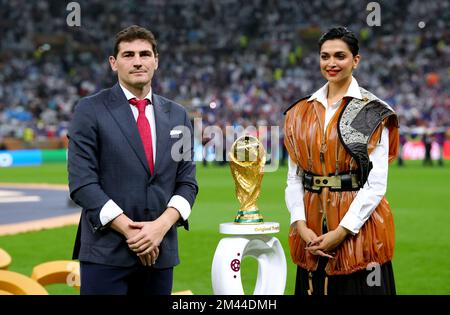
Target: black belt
[[341, 182]]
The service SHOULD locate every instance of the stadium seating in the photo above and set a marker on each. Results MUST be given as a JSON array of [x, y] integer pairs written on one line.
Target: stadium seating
[[58, 271], [5, 259], [233, 63], [47, 273], [18, 284]]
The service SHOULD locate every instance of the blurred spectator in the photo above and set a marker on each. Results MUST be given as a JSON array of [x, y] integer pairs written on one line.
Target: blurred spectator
[[427, 140], [440, 139]]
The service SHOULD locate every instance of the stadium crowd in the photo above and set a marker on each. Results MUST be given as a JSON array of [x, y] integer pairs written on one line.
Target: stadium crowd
[[230, 62]]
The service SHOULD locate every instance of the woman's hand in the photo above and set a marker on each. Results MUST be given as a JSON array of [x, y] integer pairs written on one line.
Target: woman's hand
[[307, 235], [327, 242], [299, 227]]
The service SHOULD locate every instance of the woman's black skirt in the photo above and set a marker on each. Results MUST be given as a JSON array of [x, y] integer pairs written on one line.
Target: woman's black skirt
[[377, 280]]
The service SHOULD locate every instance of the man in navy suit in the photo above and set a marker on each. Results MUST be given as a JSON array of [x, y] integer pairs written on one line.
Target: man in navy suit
[[134, 188]]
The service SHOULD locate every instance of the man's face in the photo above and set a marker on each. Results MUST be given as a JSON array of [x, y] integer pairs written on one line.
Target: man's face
[[135, 63]]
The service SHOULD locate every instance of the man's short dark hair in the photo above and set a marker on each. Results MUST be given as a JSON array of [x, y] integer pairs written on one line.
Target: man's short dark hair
[[132, 33], [341, 32]]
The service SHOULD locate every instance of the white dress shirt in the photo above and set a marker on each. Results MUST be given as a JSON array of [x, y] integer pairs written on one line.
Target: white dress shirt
[[368, 197], [110, 209]]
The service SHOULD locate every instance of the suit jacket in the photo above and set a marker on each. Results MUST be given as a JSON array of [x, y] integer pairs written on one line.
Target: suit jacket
[[106, 160]]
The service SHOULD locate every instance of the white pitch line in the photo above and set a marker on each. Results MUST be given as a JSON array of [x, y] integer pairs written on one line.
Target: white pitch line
[[36, 225], [20, 199], [9, 193]]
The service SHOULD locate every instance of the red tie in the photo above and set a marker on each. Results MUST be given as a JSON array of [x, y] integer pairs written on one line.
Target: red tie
[[144, 129]]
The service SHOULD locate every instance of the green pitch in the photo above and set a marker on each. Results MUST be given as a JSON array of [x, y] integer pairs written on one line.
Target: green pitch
[[419, 197]]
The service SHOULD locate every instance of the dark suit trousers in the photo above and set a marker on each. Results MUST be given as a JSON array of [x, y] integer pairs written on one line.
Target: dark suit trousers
[[99, 279]]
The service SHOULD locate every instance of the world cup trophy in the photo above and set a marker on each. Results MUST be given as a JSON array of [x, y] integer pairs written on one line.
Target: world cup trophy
[[249, 234], [247, 160]]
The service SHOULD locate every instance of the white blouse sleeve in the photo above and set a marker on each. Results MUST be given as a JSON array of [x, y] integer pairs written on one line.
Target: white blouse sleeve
[[374, 189], [294, 193]]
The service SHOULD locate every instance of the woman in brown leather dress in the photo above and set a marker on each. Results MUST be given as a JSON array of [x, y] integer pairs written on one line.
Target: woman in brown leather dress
[[340, 140]]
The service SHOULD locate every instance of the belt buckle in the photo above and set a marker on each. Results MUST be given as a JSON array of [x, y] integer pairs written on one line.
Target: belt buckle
[[319, 182], [309, 184]]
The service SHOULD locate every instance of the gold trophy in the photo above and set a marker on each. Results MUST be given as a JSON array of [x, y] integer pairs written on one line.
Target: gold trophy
[[248, 233], [247, 160]]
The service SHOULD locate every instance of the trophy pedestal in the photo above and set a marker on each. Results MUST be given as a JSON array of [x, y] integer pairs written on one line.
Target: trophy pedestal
[[249, 229], [249, 240]]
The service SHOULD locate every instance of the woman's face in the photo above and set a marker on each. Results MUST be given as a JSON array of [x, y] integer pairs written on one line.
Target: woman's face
[[337, 61]]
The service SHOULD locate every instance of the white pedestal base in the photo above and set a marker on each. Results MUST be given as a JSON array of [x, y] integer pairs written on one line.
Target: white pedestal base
[[267, 250], [249, 229]]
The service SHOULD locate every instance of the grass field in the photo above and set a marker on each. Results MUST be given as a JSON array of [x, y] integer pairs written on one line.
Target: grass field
[[419, 197]]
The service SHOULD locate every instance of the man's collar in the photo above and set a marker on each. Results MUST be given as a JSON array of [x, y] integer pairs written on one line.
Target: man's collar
[[130, 95]]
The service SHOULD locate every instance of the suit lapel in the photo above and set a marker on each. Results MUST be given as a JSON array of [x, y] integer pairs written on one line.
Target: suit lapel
[[162, 119], [122, 114]]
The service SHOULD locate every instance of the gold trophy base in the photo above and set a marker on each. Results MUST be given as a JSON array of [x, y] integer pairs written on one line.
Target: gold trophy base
[[249, 217]]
